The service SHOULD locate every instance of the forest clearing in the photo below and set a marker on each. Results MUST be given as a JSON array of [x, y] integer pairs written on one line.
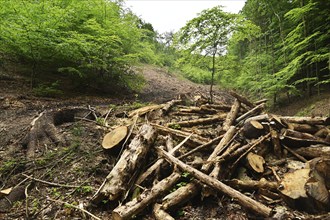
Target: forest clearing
[[102, 117]]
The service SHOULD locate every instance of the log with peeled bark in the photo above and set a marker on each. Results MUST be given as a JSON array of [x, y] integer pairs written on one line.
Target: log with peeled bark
[[185, 193], [242, 199], [260, 118], [217, 107], [231, 116], [159, 162], [242, 151], [253, 129], [203, 146], [194, 140], [313, 151], [307, 120], [132, 158], [255, 111], [261, 101], [200, 121], [220, 147], [167, 106], [138, 204], [143, 110], [198, 110], [242, 99], [253, 184]]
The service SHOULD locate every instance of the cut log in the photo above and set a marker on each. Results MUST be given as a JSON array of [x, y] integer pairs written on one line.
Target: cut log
[[307, 120], [261, 101], [323, 132], [194, 140], [114, 137], [216, 184], [201, 147], [218, 107], [231, 116], [220, 147], [143, 110], [297, 139], [305, 189], [132, 158], [253, 129], [158, 163], [187, 192], [300, 135], [255, 111], [198, 110], [255, 162], [259, 118], [200, 121], [253, 184], [242, 99], [168, 105], [313, 151], [180, 196], [311, 129], [295, 154], [160, 214], [276, 143], [138, 204], [242, 151]]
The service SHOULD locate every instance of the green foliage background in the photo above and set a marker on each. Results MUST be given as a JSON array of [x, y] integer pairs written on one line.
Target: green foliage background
[[271, 48], [94, 41]]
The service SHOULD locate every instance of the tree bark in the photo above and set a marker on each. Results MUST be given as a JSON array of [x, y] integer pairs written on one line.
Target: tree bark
[[231, 116], [216, 184], [307, 120], [200, 121], [116, 183], [256, 110], [138, 204]]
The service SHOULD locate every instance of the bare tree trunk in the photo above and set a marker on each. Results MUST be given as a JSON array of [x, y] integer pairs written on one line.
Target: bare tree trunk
[[212, 79]]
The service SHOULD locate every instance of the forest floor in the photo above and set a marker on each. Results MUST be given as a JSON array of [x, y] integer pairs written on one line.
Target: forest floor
[[74, 172]]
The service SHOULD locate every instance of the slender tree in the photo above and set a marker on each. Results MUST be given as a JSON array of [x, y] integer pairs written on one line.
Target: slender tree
[[208, 35]]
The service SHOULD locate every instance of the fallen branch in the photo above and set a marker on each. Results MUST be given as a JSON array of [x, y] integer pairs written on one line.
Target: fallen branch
[[138, 204], [50, 183], [200, 121], [218, 185], [76, 207]]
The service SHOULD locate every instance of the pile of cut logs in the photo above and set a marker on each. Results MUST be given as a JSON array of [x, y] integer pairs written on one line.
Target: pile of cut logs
[[217, 149]]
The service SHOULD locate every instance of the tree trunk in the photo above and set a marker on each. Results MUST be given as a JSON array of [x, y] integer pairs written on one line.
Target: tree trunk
[[244, 200], [117, 182]]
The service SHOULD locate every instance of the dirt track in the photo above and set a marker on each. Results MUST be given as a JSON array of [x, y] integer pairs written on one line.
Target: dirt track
[[163, 86]]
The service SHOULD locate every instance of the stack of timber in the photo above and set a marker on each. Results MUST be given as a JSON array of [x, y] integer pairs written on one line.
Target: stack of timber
[[265, 163]]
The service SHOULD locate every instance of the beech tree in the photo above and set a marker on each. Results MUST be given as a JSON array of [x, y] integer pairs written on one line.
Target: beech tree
[[207, 35]]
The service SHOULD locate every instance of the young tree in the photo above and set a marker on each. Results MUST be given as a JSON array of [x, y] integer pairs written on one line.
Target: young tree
[[208, 34]]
